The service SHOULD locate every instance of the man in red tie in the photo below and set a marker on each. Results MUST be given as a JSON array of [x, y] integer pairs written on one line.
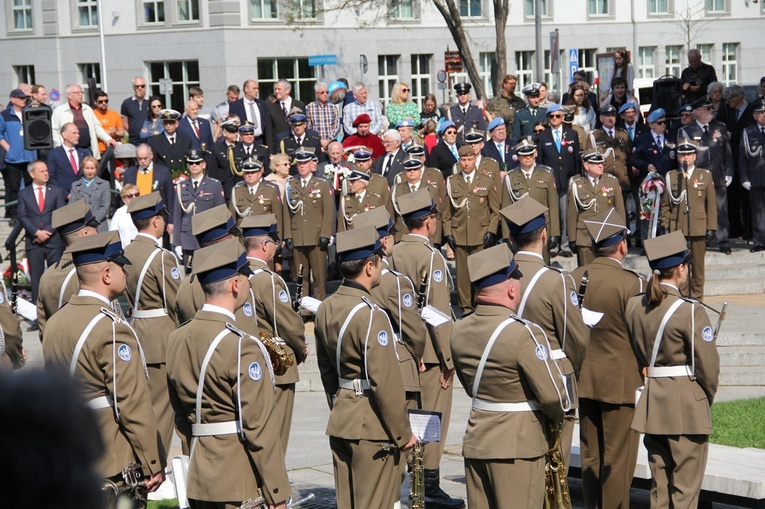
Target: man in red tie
[[195, 127], [64, 161]]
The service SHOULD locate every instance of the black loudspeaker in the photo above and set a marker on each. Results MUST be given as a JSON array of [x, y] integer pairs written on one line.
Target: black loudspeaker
[[667, 94], [38, 133]]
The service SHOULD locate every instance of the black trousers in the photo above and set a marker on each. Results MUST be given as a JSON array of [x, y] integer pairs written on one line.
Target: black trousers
[[40, 256], [12, 175]]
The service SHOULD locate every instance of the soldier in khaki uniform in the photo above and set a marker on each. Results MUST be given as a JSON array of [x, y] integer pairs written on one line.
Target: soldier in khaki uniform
[[102, 352], [615, 145], [414, 257], [59, 282], [152, 284], [610, 373], [362, 159], [690, 197], [368, 423], [674, 342], [411, 180], [221, 387], [471, 217], [505, 366], [588, 195], [276, 317], [550, 301], [12, 354], [358, 200], [536, 181], [476, 139], [309, 216], [254, 196]]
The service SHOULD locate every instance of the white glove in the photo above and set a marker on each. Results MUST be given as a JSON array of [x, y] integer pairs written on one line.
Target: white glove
[[728, 180], [747, 185], [179, 252], [332, 240]]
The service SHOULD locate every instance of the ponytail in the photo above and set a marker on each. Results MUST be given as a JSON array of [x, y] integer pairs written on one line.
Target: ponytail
[[655, 292]]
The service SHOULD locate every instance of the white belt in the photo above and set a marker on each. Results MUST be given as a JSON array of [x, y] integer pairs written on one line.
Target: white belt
[[557, 355], [214, 428], [668, 371], [149, 313], [101, 402], [491, 406], [354, 385]]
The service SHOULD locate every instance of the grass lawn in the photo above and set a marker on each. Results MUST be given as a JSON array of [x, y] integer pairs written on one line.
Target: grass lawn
[[739, 423], [163, 504]]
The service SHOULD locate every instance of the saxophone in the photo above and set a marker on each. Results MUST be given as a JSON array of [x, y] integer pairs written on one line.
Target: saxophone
[[417, 479], [280, 358], [557, 495]]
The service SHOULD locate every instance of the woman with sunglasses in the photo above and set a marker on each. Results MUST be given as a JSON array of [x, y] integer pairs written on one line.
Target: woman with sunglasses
[[152, 126], [401, 107], [121, 220]]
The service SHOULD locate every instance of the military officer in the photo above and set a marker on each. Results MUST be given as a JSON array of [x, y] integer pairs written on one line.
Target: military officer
[[615, 146], [689, 205], [255, 196], [12, 354], [471, 218], [195, 194], [527, 118], [414, 257], [752, 168], [59, 282], [85, 334], [358, 200], [674, 343], [152, 286], [246, 148], [170, 147], [536, 181], [507, 370], [368, 424], [414, 177], [308, 220], [225, 169], [276, 316], [476, 139], [222, 390], [298, 136], [465, 116], [588, 195], [550, 301], [610, 373], [362, 160]]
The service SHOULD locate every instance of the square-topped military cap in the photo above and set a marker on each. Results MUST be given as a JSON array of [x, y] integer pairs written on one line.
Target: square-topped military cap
[[686, 146], [416, 204], [606, 228], [102, 247], [297, 116], [73, 217], [492, 266], [357, 244], [304, 154], [475, 136], [416, 148], [666, 251], [377, 217], [256, 226], [524, 216], [148, 205], [247, 128], [362, 154], [220, 261], [358, 174], [213, 224]]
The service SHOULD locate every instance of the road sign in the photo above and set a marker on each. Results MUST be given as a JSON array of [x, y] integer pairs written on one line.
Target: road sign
[[573, 63], [165, 86], [322, 60], [453, 61]]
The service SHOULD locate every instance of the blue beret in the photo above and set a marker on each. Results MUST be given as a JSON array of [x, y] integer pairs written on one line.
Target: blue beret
[[627, 106], [495, 123], [405, 123], [553, 108], [656, 114], [445, 126]]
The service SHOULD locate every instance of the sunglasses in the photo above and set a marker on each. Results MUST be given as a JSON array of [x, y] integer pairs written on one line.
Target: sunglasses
[[131, 196], [660, 122], [139, 86], [405, 90], [556, 116], [450, 132], [194, 163], [102, 101]]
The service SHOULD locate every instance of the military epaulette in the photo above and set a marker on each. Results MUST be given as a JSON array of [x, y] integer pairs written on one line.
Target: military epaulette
[[633, 272], [543, 167], [621, 129], [581, 177], [213, 179], [293, 177], [519, 319], [235, 330], [368, 302], [184, 323], [556, 269], [241, 183], [608, 175], [111, 314], [270, 184]]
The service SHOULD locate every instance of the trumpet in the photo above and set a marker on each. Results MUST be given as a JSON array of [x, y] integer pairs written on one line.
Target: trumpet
[[280, 358]]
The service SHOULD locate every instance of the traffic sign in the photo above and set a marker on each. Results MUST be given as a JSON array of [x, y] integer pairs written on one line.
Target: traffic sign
[[573, 63], [453, 61], [322, 60]]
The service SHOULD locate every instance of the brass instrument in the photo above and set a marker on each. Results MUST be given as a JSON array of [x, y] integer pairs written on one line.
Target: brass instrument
[[280, 359], [557, 494], [417, 478], [132, 494], [583, 287], [299, 289], [255, 503]]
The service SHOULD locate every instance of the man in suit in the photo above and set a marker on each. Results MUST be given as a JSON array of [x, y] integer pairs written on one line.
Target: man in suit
[[64, 161], [498, 147], [37, 202], [253, 110], [279, 112], [297, 136], [465, 116], [446, 153], [171, 146], [738, 114], [558, 148], [752, 168], [527, 118], [392, 163], [630, 121], [196, 128], [150, 176]]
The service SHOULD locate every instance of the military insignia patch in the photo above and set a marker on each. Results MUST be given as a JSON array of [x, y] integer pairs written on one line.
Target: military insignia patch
[[574, 298], [408, 300], [283, 296], [438, 276], [175, 273], [255, 371], [247, 309], [541, 352], [125, 353], [382, 338], [707, 334]]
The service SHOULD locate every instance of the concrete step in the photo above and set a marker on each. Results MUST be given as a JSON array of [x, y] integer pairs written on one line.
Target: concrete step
[[734, 286], [735, 356], [746, 376]]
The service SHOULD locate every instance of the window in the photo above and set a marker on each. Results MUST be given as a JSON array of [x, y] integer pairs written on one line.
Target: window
[[599, 7], [470, 8], [530, 6], [387, 75], [587, 64], [302, 9], [524, 70], [403, 9], [716, 6], [672, 60], [658, 7], [90, 71], [485, 63], [153, 11], [729, 63], [646, 65], [25, 74], [184, 74], [22, 14], [420, 78], [188, 10], [707, 52], [87, 13], [301, 76], [263, 9]]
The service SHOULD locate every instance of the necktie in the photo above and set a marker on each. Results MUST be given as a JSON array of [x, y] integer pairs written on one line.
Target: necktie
[[359, 197], [304, 183], [533, 112], [73, 161], [631, 131], [284, 109], [454, 152], [501, 148], [40, 198], [196, 128], [527, 175], [706, 130], [252, 190], [196, 186], [172, 140], [658, 142], [248, 150], [464, 111], [253, 117], [610, 134], [386, 168], [412, 188], [299, 141], [557, 139], [468, 179], [762, 131]]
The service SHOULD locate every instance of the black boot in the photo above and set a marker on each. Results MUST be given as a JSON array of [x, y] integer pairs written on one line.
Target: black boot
[[435, 497]]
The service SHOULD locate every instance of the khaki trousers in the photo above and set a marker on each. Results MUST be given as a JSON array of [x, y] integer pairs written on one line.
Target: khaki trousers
[[435, 399], [366, 474], [314, 262], [677, 464], [505, 484]]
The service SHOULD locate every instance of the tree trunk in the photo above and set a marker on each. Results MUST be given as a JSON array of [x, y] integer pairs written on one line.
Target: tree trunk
[[500, 57]]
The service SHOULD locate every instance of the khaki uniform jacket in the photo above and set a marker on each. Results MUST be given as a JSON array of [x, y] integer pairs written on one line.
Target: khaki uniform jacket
[[227, 467], [581, 193], [701, 199], [412, 257], [397, 296], [11, 354], [553, 305], [367, 353], [190, 299], [676, 405], [52, 294], [470, 210], [158, 290], [432, 180], [273, 305], [309, 213], [350, 207], [513, 373], [540, 187], [618, 157], [265, 200], [109, 365], [489, 167], [610, 372]]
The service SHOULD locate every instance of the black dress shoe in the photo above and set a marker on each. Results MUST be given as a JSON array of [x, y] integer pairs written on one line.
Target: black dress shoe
[[726, 250], [756, 249], [35, 326], [566, 254]]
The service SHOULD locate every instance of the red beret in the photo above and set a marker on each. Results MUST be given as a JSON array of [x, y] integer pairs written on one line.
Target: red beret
[[362, 119]]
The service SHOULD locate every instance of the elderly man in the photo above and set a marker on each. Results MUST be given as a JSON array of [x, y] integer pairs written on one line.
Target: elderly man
[[393, 162], [150, 176], [64, 160], [279, 112], [135, 110], [363, 136], [361, 106], [498, 147], [16, 156], [253, 110], [329, 169], [322, 115], [79, 113], [696, 77], [196, 128]]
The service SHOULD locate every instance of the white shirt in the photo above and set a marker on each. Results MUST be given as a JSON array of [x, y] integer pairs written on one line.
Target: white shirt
[[123, 223], [254, 189], [530, 253], [257, 121], [212, 308], [360, 196], [468, 177], [89, 293]]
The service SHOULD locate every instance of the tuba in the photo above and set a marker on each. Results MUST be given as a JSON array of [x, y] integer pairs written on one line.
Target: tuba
[[280, 358], [417, 478], [557, 495]]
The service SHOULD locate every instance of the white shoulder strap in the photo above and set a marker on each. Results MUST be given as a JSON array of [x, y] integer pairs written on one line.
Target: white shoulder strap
[[486, 351], [144, 270], [203, 372], [62, 291], [530, 287], [81, 341], [353, 312], [660, 332]]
